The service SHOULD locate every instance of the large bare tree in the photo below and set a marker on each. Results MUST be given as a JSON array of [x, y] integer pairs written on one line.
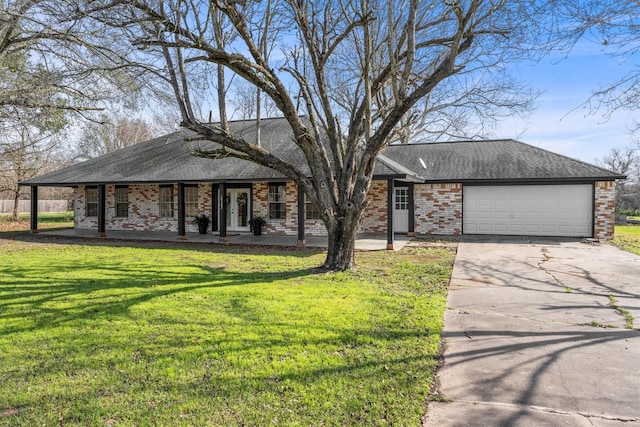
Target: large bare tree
[[49, 60], [363, 73], [614, 25]]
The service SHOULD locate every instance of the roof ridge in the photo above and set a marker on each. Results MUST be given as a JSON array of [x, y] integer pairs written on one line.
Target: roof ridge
[[252, 120], [464, 141], [568, 157]]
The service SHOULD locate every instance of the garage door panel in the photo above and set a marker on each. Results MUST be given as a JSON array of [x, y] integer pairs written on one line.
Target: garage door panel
[[517, 215], [544, 210], [532, 229], [532, 216], [516, 229]]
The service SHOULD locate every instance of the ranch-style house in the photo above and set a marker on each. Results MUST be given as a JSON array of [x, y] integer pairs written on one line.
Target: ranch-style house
[[502, 187]]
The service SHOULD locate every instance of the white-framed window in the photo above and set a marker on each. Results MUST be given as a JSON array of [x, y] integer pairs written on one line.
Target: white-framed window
[[166, 201], [122, 201], [191, 207], [311, 211], [91, 201], [277, 201]]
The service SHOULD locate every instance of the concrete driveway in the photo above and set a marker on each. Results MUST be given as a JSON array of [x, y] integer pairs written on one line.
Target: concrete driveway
[[533, 338]]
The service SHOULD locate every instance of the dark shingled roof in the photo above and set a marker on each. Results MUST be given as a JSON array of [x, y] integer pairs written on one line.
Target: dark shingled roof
[[167, 159], [503, 160]]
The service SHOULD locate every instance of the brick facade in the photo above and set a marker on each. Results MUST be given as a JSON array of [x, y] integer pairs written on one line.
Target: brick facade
[[438, 209], [289, 225], [604, 210], [374, 218], [144, 209]]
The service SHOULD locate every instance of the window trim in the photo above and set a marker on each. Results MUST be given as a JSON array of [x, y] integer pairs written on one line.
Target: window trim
[[89, 201], [314, 208], [283, 202], [119, 203], [195, 205], [161, 203]]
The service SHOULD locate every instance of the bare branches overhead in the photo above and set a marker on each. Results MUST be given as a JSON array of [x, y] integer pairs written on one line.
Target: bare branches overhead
[[364, 73]]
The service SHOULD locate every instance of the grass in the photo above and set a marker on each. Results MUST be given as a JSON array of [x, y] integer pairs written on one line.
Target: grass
[[151, 334], [627, 237], [628, 317], [46, 220]]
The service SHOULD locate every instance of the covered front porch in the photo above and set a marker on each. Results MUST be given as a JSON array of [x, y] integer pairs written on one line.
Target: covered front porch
[[122, 210], [364, 242]]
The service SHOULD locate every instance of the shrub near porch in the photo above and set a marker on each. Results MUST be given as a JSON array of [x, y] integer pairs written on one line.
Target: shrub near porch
[[188, 335]]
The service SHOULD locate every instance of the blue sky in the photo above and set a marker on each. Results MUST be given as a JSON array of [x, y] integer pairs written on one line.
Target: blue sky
[[560, 122]]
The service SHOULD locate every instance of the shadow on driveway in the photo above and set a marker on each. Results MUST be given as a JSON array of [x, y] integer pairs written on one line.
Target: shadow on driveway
[[536, 334]]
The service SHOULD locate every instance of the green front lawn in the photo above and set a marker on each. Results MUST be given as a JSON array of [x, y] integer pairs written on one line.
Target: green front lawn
[[627, 237], [46, 220], [166, 334]]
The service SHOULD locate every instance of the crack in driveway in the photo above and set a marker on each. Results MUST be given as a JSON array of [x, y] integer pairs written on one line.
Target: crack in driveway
[[549, 410]]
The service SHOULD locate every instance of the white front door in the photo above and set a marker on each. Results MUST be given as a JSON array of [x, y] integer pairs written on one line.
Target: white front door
[[237, 209], [401, 210]]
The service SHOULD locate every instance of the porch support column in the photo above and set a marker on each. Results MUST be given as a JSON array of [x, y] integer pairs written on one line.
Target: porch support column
[[102, 210], [412, 219], [34, 208], [301, 216], [223, 212], [390, 191], [215, 203], [182, 234]]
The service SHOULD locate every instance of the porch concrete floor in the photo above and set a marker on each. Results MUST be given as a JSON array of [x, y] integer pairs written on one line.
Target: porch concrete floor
[[364, 242]]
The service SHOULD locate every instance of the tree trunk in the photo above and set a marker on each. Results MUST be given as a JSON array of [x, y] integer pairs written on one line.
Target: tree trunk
[[16, 206], [342, 242]]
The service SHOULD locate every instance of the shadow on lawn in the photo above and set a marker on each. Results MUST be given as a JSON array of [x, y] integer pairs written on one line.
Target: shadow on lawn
[[82, 298], [195, 245]]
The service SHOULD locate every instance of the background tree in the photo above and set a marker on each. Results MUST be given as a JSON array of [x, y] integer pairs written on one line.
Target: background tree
[[49, 60], [614, 25], [51, 63], [627, 162], [29, 145], [111, 134], [360, 71]]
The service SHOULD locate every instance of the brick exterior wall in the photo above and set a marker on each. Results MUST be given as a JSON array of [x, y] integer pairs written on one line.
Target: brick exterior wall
[[435, 210], [374, 218], [604, 210], [289, 225], [144, 209], [438, 209]]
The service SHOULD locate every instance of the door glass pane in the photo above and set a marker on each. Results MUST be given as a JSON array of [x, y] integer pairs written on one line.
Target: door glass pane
[[243, 208], [402, 199], [228, 202]]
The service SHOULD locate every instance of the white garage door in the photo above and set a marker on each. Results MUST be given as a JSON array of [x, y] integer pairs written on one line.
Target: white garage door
[[528, 210]]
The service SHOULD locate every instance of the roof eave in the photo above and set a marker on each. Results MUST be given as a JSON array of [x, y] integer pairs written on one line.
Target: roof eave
[[531, 180]]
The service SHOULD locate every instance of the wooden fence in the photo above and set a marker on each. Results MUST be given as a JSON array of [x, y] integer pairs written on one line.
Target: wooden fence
[[6, 206]]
